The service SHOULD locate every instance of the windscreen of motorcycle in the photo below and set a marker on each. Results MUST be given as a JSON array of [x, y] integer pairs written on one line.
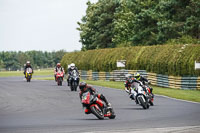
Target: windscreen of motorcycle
[[137, 87], [29, 70], [74, 73]]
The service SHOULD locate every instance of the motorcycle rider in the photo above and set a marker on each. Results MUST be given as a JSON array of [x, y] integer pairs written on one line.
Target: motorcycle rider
[[143, 80], [58, 68], [28, 65], [129, 80], [84, 88], [69, 71]]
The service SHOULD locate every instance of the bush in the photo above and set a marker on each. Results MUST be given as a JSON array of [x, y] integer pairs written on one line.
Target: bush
[[177, 60]]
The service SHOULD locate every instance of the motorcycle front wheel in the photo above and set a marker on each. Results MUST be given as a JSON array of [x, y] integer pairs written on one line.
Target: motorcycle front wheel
[[75, 86], [143, 103], [98, 113]]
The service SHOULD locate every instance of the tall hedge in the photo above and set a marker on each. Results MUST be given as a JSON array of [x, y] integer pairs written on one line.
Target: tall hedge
[[177, 60]]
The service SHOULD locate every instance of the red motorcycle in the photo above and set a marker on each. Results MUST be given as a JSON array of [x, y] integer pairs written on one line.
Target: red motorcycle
[[96, 106], [59, 78]]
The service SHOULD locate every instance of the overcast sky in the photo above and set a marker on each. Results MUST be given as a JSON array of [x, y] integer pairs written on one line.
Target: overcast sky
[[45, 25]]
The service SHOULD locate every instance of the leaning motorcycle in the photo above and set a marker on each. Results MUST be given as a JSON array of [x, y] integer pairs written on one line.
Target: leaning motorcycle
[[29, 72], [59, 78], [142, 97], [74, 80], [96, 106]]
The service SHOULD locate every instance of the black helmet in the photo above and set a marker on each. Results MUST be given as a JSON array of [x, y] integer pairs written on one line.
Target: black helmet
[[82, 85]]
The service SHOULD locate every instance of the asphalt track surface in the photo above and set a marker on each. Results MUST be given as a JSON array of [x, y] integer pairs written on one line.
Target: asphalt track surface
[[44, 107]]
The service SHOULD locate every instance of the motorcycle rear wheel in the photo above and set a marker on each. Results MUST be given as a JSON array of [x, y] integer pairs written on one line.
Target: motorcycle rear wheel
[[99, 114]]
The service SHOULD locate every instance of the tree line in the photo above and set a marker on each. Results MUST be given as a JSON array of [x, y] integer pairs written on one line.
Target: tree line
[[11, 60], [119, 23]]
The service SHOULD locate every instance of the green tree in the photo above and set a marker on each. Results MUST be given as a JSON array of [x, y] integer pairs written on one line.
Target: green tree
[[96, 28], [111, 23]]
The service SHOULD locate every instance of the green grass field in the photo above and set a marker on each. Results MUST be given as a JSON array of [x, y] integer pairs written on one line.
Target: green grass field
[[20, 73]]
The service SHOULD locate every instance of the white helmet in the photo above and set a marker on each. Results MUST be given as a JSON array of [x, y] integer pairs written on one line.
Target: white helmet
[[72, 66]]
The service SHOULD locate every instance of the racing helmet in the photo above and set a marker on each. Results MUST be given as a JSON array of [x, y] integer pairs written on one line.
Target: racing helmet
[[28, 63], [72, 66], [58, 65], [137, 76], [82, 86]]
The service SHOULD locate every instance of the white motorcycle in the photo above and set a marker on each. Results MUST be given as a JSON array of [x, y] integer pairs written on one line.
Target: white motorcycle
[[140, 94]]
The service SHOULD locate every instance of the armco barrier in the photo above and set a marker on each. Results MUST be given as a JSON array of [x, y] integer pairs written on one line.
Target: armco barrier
[[156, 79]]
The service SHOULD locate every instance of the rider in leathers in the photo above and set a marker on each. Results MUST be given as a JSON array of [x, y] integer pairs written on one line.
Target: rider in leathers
[[69, 71], [84, 88], [144, 81], [58, 68], [129, 80], [28, 65]]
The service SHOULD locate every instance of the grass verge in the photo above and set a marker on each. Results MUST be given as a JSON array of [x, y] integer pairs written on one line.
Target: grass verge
[[190, 95], [21, 73]]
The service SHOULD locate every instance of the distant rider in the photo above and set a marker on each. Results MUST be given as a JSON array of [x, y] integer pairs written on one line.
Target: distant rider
[[85, 88], [28, 65], [143, 80], [129, 80], [58, 68], [69, 72]]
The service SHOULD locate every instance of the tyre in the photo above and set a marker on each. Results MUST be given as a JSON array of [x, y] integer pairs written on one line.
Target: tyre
[[98, 113], [28, 79], [75, 86], [71, 86], [59, 81], [142, 102]]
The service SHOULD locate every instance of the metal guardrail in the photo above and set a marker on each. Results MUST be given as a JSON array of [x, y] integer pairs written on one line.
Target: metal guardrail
[[156, 79]]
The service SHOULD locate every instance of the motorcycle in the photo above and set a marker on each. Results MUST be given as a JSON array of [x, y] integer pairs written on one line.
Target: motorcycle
[[29, 72], [74, 80], [96, 106], [59, 78], [142, 97]]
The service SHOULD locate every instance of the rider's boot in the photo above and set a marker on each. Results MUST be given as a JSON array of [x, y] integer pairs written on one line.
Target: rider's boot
[[132, 96]]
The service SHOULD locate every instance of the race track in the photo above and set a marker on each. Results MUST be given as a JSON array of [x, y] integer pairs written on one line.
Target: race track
[[44, 107]]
